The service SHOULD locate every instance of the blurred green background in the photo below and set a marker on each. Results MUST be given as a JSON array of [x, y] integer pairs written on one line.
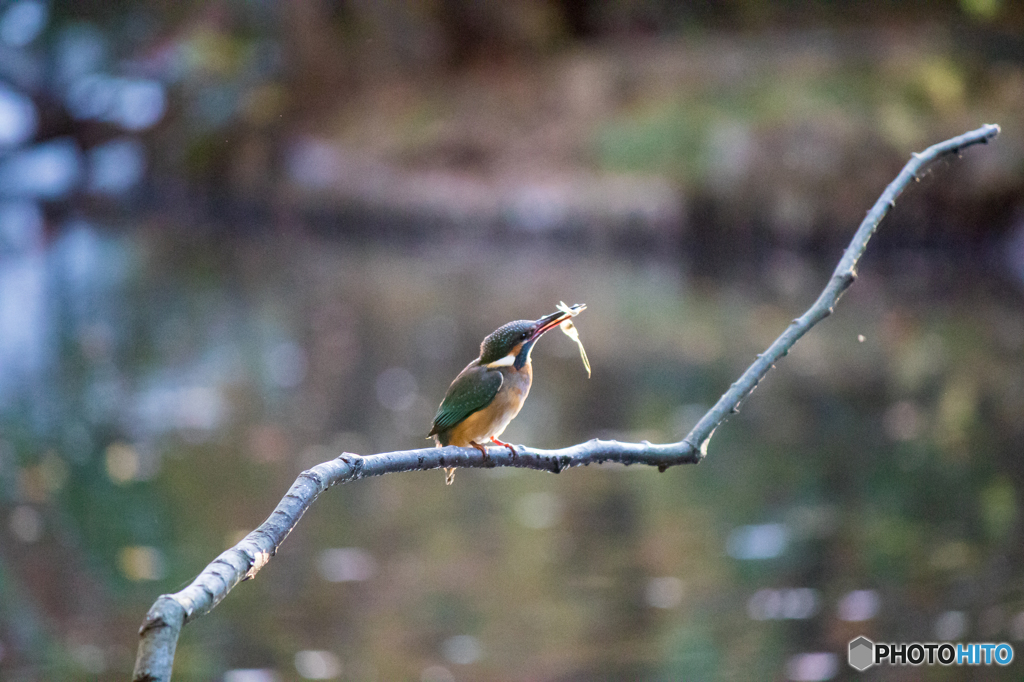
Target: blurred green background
[[238, 237]]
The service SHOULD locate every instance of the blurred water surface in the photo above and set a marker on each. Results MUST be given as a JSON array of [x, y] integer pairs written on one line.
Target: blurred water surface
[[159, 394]]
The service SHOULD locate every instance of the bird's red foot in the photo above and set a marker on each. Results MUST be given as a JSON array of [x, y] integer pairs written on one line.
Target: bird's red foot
[[511, 448]]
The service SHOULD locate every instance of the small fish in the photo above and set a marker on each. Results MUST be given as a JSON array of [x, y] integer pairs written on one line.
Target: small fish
[[569, 329]]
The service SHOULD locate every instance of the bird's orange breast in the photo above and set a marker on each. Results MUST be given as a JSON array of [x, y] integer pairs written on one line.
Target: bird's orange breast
[[490, 421]]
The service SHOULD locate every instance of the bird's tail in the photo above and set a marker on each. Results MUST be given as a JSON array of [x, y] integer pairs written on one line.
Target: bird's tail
[[449, 472]]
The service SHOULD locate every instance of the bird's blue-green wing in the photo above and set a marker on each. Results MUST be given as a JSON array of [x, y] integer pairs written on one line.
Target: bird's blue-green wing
[[472, 390]]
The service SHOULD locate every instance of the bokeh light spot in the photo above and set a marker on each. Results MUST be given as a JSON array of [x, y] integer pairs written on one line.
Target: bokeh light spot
[[18, 118], [122, 461], [344, 564], [141, 562], [462, 649], [812, 667], [859, 605], [23, 22], [763, 541], [26, 524], [317, 665], [664, 593]]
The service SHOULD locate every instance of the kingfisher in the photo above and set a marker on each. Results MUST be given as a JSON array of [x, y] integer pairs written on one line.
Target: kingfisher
[[490, 391]]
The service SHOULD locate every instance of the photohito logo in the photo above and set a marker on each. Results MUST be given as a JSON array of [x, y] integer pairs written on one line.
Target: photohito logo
[[864, 653]]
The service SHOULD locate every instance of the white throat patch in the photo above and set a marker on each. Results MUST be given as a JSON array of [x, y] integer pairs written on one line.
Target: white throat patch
[[506, 361]]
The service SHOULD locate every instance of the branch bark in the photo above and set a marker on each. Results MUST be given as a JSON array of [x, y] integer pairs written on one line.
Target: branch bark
[[162, 625]]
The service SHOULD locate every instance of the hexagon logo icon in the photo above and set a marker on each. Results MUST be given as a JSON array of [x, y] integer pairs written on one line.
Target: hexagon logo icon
[[862, 653]]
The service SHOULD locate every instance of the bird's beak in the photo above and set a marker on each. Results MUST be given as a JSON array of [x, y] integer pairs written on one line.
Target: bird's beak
[[556, 318]]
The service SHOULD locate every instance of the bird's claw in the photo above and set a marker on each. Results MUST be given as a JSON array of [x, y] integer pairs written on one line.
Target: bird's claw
[[481, 448]]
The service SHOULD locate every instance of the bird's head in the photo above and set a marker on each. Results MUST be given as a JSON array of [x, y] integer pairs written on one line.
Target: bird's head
[[510, 344]]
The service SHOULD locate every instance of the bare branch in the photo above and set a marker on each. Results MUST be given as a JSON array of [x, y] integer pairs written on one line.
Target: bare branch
[[163, 623]]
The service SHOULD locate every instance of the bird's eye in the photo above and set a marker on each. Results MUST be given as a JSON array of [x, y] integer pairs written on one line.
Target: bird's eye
[[525, 335]]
